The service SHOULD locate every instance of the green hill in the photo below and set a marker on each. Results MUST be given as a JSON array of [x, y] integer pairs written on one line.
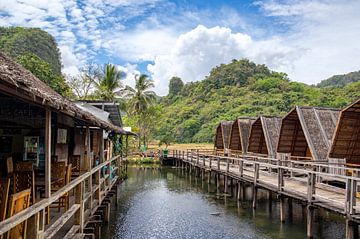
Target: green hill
[[341, 80], [37, 51], [241, 88]]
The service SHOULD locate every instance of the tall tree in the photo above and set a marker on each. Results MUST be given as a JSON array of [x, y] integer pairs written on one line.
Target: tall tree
[[109, 85], [83, 84], [175, 85], [141, 98]]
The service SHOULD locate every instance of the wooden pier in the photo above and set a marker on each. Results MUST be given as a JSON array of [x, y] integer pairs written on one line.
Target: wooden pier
[[304, 181]]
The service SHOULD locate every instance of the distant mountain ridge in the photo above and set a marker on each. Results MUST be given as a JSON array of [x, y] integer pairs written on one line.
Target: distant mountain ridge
[[341, 80]]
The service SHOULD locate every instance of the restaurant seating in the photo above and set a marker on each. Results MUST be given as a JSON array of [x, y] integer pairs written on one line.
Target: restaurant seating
[[24, 166], [74, 160], [4, 196], [58, 176], [24, 179], [9, 166], [18, 202]]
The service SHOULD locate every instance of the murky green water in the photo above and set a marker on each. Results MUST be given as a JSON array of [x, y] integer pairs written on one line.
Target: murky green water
[[169, 203]]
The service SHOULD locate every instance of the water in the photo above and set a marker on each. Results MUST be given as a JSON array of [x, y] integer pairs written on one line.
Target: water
[[170, 203]]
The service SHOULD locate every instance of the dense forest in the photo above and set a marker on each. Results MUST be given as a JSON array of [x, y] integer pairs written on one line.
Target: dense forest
[[191, 111]]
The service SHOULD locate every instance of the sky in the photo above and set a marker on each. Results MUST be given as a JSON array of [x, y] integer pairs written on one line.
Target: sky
[[308, 40]]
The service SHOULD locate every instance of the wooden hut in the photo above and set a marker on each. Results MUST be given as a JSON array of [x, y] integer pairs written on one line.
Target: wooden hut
[[264, 135], [45, 136], [222, 135], [306, 132], [346, 140], [239, 137]]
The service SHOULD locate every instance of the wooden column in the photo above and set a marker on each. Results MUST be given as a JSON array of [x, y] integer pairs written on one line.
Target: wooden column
[[351, 230], [79, 199], [282, 209], [309, 221], [48, 153]]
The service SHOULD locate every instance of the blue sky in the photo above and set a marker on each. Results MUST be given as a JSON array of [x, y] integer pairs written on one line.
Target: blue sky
[[309, 40]]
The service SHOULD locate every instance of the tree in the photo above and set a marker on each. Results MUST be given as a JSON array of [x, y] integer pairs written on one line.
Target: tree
[[108, 87], [43, 70], [175, 85], [83, 84], [141, 98], [166, 139]]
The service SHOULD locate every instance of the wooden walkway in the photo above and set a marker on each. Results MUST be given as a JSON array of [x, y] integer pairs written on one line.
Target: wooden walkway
[[307, 182]]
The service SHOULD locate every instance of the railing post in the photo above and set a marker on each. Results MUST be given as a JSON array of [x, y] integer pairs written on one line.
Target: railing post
[[256, 173], [350, 196], [311, 186], [210, 157], [197, 157], [79, 197], [218, 162], [241, 167], [280, 179], [227, 164], [204, 160]]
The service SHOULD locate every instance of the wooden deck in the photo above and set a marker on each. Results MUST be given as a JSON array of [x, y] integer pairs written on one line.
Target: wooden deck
[[304, 181]]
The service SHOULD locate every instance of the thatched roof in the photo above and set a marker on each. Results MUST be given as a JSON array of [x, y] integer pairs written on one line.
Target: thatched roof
[[240, 131], [18, 82], [346, 141], [223, 134], [264, 135], [307, 132]]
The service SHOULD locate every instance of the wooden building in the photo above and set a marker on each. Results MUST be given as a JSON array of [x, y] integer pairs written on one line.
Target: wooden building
[[306, 132], [50, 147], [264, 135], [346, 140], [239, 136], [222, 135]]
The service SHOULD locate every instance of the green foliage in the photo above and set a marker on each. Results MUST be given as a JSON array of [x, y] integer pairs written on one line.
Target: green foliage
[[17, 41], [175, 86], [240, 88], [42, 70], [108, 86], [341, 80]]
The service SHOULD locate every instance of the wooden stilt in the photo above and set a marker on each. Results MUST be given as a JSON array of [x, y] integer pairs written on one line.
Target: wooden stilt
[[309, 221], [239, 191], [351, 230], [226, 184], [254, 197], [282, 209]]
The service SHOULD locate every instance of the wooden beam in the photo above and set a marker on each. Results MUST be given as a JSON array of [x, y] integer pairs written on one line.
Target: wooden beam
[[48, 153]]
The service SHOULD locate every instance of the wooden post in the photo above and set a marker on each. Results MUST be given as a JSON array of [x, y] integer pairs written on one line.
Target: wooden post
[[227, 165], [351, 230], [239, 191], [101, 142], [311, 186], [282, 209], [254, 196], [209, 177], [256, 173], [280, 179], [210, 162], [350, 196], [241, 167], [79, 197], [309, 221], [48, 153], [218, 163], [225, 184]]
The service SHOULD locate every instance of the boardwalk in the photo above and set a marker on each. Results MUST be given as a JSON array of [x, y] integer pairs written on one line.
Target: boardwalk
[[304, 181]]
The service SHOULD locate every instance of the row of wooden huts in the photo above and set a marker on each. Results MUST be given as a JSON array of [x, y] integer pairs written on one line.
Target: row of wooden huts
[[305, 133]]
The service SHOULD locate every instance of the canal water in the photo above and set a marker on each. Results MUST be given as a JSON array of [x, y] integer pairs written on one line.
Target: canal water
[[169, 203]]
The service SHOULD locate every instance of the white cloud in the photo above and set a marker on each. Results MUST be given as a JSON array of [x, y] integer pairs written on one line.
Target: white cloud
[[130, 71], [197, 51], [328, 33]]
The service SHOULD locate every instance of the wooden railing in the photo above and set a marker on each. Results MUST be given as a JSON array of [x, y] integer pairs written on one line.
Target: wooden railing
[[257, 169], [81, 196]]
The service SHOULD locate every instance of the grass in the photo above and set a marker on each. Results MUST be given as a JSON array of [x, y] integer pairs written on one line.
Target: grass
[[145, 160], [155, 145]]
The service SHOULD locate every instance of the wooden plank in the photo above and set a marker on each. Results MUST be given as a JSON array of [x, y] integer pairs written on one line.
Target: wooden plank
[[59, 223], [71, 233]]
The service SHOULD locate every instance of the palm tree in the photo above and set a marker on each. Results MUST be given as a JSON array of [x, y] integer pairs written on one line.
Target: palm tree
[[140, 97], [140, 100], [108, 87]]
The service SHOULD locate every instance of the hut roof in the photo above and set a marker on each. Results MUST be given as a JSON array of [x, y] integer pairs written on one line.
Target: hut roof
[[306, 128], [16, 81], [346, 141], [223, 134], [264, 135], [240, 131]]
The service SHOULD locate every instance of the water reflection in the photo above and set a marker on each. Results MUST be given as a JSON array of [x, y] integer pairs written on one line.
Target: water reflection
[[170, 203]]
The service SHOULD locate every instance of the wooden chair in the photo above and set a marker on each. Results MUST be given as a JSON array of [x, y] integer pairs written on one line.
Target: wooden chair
[[23, 180], [9, 166], [74, 160], [4, 195], [64, 201], [24, 166], [58, 171], [18, 202]]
